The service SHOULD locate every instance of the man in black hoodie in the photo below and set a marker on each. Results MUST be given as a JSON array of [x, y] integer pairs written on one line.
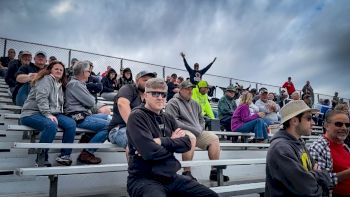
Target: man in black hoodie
[[153, 137], [290, 170]]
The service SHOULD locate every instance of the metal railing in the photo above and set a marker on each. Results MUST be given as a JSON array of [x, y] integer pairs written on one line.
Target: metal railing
[[101, 61]]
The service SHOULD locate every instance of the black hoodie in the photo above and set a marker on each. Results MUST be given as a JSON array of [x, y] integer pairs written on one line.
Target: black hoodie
[[147, 158], [289, 169]]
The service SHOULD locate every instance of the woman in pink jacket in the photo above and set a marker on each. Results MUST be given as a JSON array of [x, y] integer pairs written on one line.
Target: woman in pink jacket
[[243, 121]]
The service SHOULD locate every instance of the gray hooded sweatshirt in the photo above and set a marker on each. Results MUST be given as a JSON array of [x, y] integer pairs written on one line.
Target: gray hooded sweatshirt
[[289, 169], [188, 114], [45, 97], [78, 97]]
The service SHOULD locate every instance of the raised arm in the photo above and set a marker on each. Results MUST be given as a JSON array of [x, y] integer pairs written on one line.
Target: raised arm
[[204, 70]]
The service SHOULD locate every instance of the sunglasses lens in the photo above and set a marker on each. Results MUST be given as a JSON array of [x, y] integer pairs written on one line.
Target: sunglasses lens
[[157, 94], [340, 124]]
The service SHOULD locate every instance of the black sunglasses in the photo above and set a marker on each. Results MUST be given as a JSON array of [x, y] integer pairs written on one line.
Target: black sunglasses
[[340, 124], [157, 94]]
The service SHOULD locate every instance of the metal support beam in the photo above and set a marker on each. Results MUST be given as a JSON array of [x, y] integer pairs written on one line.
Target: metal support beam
[[5, 46], [53, 185], [69, 57]]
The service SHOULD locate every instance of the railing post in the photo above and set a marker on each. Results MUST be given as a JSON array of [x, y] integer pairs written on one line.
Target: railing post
[[163, 72], [5, 43], [121, 64], [69, 57], [257, 87], [230, 81]]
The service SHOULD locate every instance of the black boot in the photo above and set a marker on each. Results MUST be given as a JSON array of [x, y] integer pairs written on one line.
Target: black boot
[[213, 176]]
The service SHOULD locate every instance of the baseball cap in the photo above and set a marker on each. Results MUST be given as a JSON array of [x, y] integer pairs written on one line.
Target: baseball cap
[[202, 84], [40, 53], [146, 73], [263, 90], [231, 88], [26, 53], [186, 84]]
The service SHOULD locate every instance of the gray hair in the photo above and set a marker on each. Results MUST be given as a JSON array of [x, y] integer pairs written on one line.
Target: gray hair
[[79, 67], [155, 83]]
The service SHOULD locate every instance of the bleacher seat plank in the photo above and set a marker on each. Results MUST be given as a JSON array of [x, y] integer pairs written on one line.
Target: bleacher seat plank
[[10, 107], [26, 128], [240, 189]]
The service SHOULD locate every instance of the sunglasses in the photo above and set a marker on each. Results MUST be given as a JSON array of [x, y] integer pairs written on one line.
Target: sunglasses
[[157, 94], [340, 124]]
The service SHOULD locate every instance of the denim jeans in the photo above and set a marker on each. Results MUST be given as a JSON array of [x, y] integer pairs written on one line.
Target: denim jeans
[[97, 123], [257, 126], [22, 94], [48, 128], [118, 136]]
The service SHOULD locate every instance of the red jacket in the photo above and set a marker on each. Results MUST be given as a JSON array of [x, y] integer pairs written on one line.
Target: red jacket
[[290, 87]]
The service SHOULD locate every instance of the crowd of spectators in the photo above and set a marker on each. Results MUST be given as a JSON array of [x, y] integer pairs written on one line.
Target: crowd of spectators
[[163, 115]]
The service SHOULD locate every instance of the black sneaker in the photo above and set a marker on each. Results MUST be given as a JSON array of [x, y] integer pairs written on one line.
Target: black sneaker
[[189, 174], [64, 160], [42, 159], [213, 176], [43, 164]]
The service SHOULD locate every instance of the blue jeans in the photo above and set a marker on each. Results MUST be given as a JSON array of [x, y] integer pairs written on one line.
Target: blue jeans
[[258, 126], [22, 94], [97, 123], [118, 136], [48, 128]]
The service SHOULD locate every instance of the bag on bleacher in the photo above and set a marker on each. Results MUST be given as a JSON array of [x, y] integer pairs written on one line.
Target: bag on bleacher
[[78, 116]]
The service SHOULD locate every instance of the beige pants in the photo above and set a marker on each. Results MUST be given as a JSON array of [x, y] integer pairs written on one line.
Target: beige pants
[[204, 140]]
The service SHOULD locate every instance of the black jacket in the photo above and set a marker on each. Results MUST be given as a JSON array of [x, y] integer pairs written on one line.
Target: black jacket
[[155, 161], [289, 169], [10, 77]]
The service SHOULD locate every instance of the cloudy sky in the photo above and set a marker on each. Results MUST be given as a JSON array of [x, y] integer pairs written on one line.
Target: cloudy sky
[[256, 40]]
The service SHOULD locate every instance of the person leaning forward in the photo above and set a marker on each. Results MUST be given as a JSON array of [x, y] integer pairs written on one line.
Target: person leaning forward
[[290, 171], [153, 137]]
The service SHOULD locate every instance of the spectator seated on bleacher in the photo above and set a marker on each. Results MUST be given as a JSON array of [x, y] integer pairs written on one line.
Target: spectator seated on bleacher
[[245, 122], [289, 169], [282, 99], [106, 72], [4, 61], [188, 116], [200, 95], [25, 74], [51, 59], [344, 108], [295, 96], [331, 152], [69, 70], [13, 66], [109, 83], [226, 107], [126, 78], [153, 138], [43, 110], [269, 107], [128, 97], [78, 105], [307, 99], [93, 83]]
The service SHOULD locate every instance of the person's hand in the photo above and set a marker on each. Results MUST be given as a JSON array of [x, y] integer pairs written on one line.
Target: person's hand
[[316, 167], [157, 140], [53, 119], [214, 59], [178, 133], [32, 75], [182, 54], [261, 114]]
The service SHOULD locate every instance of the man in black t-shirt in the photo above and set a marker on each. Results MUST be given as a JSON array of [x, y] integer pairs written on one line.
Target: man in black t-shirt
[[25, 74], [4, 61], [129, 96]]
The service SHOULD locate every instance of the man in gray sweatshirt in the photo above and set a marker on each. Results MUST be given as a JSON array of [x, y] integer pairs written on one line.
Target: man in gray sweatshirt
[[188, 115]]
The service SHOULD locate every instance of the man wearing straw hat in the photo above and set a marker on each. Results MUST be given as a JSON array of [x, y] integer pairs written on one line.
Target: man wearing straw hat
[[290, 171]]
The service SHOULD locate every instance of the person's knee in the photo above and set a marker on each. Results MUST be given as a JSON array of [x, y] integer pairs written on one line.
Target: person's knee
[[104, 110]]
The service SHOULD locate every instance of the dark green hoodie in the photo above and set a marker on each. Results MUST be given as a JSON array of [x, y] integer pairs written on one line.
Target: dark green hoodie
[[289, 169]]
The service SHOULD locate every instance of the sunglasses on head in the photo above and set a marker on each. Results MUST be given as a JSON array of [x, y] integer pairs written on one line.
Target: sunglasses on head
[[340, 124], [157, 94]]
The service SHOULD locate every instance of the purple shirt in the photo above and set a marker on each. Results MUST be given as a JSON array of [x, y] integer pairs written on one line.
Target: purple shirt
[[241, 116]]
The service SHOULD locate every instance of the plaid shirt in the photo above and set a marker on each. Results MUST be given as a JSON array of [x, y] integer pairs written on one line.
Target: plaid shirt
[[321, 153]]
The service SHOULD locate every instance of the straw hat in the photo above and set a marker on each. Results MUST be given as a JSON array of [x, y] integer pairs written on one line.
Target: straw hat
[[294, 108]]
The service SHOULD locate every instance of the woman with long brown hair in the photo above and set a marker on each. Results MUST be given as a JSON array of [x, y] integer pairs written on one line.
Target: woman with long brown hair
[[43, 110]]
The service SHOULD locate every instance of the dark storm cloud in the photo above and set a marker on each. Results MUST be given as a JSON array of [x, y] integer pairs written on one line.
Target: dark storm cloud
[[264, 41]]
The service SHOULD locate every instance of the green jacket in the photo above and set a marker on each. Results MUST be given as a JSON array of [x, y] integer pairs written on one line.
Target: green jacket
[[203, 101], [226, 107]]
